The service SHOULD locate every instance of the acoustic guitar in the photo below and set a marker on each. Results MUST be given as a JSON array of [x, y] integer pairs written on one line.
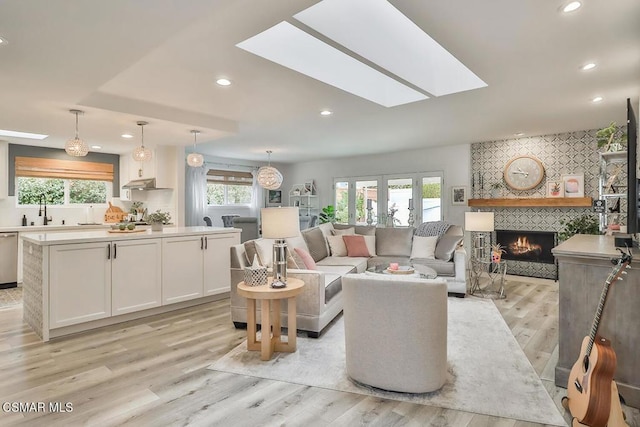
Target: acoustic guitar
[[592, 395]]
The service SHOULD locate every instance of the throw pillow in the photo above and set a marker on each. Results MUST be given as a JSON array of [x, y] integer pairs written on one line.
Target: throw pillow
[[296, 258], [307, 259], [337, 246], [263, 248], [356, 246], [316, 243], [370, 241], [424, 247], [344, 232], [446, 246]]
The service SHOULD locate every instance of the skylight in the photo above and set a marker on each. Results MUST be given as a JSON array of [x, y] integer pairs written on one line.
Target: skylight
[[379, 32], [26, 135], [291, 47]]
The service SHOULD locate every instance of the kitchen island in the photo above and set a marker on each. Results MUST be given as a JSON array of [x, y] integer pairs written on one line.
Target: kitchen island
[[75, 281], [584, 263]]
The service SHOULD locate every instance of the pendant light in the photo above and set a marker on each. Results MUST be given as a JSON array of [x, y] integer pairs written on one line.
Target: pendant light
[[195, 160], [269, 177], [142, 154], [76, 147]]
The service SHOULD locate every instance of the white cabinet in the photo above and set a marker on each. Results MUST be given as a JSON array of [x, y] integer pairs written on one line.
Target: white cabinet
[[4, 169], [80, 283], [196, 266], [217, 263], [305, 198], [182, 272], [162, 167], [136, 275], [90, 281]]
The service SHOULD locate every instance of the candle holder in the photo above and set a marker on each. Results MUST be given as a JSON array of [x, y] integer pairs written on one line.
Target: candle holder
[[411, 219], [369, 216]]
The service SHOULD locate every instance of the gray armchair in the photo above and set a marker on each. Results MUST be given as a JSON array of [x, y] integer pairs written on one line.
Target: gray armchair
[[249, 227]]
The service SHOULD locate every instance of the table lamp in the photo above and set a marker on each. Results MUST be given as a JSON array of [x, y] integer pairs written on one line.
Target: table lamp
[[280, 223], [480, 223]]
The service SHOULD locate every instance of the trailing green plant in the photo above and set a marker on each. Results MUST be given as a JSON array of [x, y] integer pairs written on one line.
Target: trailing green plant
[[328, 214], [584, 224], [610, 139]]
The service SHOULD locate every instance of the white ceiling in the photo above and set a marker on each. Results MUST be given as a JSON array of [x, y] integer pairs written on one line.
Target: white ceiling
[[157, 60]]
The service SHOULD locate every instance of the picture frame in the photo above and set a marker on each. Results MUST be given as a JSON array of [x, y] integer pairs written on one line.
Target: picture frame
[[274, 197], [308, 188], [555, 188], [459, 195], [573, 185]]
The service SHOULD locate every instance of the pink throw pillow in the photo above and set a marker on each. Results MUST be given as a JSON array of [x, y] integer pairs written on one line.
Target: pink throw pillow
[[307, 259], [356, 246]]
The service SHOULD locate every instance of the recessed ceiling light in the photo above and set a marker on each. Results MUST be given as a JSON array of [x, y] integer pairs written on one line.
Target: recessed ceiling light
[[223, 82], [520, 134], [571, 6], [589, 66], [26, 135], [127, 135], [597, 99], [293, 48], [326, 112], [97, 147], [3, 41]]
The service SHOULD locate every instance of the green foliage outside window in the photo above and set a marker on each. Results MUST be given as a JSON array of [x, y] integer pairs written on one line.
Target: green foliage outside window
[[31, 189], [84, 191], [235, 194], [215, 194], [431, 191]]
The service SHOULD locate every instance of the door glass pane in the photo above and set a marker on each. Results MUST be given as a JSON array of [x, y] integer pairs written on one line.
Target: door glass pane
[[431, 198], [342, 202], [366, 196], [399, 192]]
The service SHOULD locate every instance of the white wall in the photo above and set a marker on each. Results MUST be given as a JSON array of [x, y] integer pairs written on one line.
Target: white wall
[[453, 161]]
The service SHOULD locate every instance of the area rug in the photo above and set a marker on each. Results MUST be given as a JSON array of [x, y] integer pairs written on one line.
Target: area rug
[[487, 371]]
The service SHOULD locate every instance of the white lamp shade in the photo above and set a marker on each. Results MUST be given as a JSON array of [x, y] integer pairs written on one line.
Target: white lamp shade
[[280, 223], [478, 221]]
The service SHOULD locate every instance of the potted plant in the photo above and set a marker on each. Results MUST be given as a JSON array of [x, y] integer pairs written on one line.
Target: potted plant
[[496, 253], [328, 214], [585, 224], [609, 140], [157, 219], [494, 189]]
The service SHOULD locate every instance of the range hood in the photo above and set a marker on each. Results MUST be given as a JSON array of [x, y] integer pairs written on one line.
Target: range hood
[[142, 184]]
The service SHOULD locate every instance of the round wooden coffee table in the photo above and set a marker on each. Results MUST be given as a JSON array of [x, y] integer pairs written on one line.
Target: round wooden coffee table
[[270, 299]]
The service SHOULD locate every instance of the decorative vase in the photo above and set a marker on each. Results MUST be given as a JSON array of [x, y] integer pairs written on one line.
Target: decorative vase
[[156, 226], [496, 257]]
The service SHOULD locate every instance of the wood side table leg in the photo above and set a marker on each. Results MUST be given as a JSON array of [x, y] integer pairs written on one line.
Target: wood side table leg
[[292, 325], [276, 320], [266, 341], [252, 342]]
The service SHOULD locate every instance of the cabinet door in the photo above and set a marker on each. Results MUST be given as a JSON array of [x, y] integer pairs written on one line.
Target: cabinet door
[[136, 275], [80, 283], [181, 268], [217, 262]]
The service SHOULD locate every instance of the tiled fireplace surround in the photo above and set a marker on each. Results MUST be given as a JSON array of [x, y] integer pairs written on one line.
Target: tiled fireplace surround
[[564, 153]]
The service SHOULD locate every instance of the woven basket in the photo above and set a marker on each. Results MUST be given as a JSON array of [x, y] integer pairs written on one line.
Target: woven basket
[[255, 276]]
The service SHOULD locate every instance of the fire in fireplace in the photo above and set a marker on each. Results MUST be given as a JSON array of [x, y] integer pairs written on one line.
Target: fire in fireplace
[[531, 246]]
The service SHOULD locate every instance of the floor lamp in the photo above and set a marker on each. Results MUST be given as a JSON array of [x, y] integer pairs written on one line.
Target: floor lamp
[[479, 223], [280, 223]]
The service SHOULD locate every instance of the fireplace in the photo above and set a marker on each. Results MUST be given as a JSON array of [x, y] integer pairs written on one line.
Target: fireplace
[[529, 246]]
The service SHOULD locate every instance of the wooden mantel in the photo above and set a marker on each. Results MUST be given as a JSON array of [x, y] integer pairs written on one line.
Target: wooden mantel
[[535, 202]]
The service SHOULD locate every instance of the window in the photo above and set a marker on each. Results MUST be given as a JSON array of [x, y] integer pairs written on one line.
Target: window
[[229, 188], [62, 182]]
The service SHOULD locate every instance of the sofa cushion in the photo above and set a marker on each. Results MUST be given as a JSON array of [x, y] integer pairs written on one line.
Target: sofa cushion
[[443, 268], [316, 242], [370, 241], [307, 259], [337, 269], [337, 246], [365, 230], [344, 232], [446, 246], [262, 248], [356, 246], [456, 230], [296, 242], [424, 247], [394, 241], [360, 263]]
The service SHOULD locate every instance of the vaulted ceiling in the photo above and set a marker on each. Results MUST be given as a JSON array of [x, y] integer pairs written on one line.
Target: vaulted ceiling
[[158, 60]]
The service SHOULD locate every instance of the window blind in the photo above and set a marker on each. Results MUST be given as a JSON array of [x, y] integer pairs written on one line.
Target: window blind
[[36, 167], [229, 177]]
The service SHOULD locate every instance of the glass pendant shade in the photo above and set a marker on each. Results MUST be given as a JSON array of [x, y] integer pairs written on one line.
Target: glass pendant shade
[[195, 160], [76, 147], [142, 154], [269, 177]]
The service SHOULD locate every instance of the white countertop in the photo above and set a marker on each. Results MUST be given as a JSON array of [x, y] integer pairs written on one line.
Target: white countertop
[[35, 228], [587, 246], [88, 236]]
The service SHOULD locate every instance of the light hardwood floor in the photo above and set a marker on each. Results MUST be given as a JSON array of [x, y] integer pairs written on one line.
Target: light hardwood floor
[[152, 372]]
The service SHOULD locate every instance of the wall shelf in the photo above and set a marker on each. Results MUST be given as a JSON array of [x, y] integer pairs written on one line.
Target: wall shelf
[[552, 202]]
